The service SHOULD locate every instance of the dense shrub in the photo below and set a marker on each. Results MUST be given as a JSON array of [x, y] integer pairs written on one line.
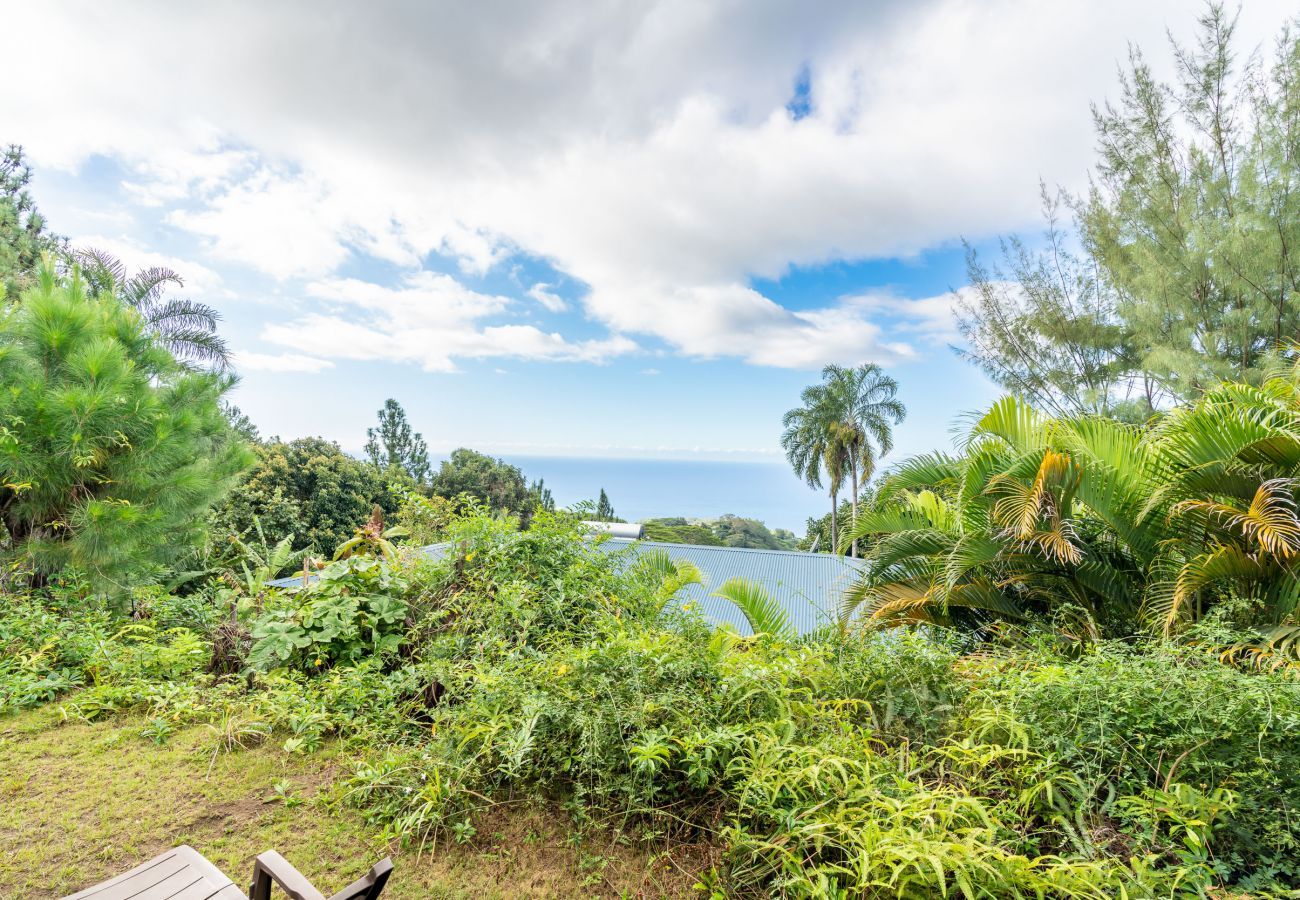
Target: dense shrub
[[542, 665], [111, 451], [352, 611], [1125, 721], [308, 488]]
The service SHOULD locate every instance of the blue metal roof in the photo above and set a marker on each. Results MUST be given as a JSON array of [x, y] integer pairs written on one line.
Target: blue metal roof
[[808, 584]]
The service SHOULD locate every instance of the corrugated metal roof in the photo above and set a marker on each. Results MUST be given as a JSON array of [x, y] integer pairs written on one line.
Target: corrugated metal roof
[[808, 584]]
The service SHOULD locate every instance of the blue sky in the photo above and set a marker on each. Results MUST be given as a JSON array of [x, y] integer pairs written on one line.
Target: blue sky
[[602, 229]]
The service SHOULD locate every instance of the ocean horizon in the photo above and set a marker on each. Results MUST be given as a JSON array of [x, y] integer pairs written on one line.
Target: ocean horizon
[[657, 488]]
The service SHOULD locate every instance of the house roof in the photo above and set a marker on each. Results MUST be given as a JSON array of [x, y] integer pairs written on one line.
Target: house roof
[[809, 585]]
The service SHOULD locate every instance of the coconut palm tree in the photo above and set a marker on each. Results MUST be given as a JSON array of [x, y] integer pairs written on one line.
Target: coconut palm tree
[[187, 328], [811, 445], [869, 410]]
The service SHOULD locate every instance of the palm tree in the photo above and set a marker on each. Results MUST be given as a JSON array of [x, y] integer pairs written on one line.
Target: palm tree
[[810, 443], [870, 408], [1037, 517], [187, 328]]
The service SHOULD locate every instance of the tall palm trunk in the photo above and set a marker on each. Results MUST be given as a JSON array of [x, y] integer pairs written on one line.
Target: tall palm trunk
[[854, 550], [835, 527]]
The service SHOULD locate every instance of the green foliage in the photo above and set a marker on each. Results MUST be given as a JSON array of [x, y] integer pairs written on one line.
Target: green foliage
[[1045, 324], [736, 531], [1142, 724], [110, 451], [392, 444], [307, 488], [604, 509], [1096, 527], [764, 613], [352, 611], [725, 531], [23, 234], [187, 328], [492, 482], [1186, 274], [679, 531], [426, 520], [843, 426], [538, 664]]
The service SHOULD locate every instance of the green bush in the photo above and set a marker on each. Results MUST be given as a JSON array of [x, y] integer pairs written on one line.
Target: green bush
[[353, 610], [1127, 720]]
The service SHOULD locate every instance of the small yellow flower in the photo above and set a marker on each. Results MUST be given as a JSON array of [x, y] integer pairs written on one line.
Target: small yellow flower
[[563, 669], [469, 556], [318, 661]]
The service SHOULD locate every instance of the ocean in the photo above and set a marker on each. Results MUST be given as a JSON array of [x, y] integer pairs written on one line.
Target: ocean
[[655, 488]]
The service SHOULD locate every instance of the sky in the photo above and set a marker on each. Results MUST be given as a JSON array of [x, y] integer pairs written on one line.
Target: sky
[[623, 229]]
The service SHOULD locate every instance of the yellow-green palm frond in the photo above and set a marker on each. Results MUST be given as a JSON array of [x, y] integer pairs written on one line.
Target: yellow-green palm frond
[[1013, 422], [1172, 600], [761, 610], [1278, 648], [1058, 543], [1020, 506], [1270, 522]]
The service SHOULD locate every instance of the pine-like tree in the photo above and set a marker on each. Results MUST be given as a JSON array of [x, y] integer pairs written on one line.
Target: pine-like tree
[[394, 444], [23, 237], [541, 495], [604, 509], [110, 450]]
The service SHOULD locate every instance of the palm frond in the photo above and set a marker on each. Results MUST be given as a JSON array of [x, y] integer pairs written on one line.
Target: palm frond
[[761, 610]]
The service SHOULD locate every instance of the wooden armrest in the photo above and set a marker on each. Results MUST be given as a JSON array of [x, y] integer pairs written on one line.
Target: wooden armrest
[[271, 866]]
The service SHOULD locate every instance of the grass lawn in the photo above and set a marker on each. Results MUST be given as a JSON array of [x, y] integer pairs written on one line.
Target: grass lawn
[[82, 802]]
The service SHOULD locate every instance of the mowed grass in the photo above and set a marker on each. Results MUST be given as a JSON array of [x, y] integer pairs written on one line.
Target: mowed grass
[[82, 802]]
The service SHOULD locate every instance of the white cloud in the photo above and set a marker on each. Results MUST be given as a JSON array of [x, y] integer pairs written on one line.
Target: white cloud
[[431, 319], [551, 301], [280, 362], [642, 149], [932, 319]]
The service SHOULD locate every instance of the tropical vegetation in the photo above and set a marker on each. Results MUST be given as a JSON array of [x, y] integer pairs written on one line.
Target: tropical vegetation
[[1067, 664]]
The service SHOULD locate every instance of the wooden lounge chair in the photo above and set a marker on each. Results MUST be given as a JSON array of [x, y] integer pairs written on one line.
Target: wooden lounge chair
[[183, 874]]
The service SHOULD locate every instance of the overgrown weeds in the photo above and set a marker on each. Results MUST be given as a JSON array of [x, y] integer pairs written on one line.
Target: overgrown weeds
[[539, 666]]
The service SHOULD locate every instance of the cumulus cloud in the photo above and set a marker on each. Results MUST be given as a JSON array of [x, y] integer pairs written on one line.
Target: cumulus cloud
[[430, 319], [543, 295], [280, 362], [642, 149], [930, 319]]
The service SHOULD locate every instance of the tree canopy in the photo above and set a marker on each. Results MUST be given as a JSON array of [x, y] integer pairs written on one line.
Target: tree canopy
[[492, 482], [110, 450], [392, 443], [309, 488], [1183, 272]]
